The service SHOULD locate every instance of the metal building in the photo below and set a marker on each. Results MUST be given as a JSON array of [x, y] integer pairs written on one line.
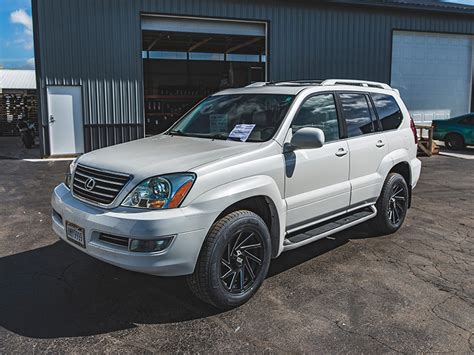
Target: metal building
[[110, 71]]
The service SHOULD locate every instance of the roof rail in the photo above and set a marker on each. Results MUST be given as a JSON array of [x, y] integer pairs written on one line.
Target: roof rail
[[372, 84], [298, 82], [257, 84], [285, 83], [328, 82]]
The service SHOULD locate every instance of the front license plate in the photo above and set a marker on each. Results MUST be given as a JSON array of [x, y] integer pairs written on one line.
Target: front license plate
[[75, 234]]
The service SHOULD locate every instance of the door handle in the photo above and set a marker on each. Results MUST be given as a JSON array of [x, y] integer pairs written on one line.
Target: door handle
[[51, 119], [341, 152], [380, 144]]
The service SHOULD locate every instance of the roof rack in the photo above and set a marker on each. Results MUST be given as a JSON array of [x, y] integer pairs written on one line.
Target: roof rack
[[257, 84], [298, 82], [285, 83], [369, 84], [328, 82]]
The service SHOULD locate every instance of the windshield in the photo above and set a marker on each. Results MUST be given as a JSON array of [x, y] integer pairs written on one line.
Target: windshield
[[244, 117]]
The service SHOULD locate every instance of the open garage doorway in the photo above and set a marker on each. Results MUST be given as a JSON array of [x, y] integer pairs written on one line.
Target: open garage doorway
[[186, 59]]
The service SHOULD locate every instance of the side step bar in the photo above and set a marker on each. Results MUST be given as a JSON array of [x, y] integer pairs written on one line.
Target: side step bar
[[324, 229]]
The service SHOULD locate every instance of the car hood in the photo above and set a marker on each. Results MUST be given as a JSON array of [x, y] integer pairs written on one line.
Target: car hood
[[163, 154]]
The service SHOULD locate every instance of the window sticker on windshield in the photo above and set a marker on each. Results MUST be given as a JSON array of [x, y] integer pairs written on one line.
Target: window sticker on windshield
[[218, 123], [241, 132]]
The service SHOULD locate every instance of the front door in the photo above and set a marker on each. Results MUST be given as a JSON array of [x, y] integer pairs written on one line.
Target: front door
[[317, 180], [65, 120]]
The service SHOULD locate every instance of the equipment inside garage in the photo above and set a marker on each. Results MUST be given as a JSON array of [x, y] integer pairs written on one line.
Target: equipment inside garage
[[18, 100], [185, 60]]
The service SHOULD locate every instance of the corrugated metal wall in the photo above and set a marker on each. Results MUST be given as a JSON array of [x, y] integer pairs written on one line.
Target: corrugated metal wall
[[97, 44]]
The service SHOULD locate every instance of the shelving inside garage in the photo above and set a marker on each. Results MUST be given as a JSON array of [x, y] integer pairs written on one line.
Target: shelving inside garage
[[181, 68], [15, 106]]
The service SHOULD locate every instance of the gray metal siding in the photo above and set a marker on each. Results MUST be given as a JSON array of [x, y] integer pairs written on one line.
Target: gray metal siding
[[97, 44]]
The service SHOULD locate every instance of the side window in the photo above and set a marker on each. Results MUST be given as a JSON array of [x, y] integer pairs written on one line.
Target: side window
[[468, 121], [356, 112], [319, 111], [390, 115]]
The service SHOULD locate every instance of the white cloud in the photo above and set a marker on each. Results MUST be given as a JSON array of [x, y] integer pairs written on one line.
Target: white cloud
[[25, 38], [21, 17], [30, 63]]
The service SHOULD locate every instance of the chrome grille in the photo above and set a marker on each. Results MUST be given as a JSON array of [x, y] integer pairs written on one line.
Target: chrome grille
[[97, 186]]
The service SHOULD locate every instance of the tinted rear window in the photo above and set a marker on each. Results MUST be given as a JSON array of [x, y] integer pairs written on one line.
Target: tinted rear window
[[356, 112], [389, 112]]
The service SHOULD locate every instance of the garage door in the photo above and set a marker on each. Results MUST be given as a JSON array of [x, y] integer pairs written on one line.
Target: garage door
[[433, 73], [198, 25]]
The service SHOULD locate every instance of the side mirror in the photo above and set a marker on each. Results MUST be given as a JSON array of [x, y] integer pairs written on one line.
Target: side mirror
[[306, 138]]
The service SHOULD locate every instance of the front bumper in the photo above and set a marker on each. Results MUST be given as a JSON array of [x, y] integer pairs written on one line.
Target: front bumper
[[188, 225]]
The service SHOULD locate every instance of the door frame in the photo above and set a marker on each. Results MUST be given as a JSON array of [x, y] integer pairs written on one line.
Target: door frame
[[342, 139]]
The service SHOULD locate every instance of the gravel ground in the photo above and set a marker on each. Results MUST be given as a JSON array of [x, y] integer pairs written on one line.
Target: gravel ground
[[409, 292]]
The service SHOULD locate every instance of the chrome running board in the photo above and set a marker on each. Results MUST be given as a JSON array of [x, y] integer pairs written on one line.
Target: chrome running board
[[326, 228]]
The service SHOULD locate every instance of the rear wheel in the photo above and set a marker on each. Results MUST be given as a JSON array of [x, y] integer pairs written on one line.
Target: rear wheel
[[392, 205], [454, 141], [233, 262]]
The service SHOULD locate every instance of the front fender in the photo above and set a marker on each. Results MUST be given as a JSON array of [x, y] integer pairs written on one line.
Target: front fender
[[216, 200]]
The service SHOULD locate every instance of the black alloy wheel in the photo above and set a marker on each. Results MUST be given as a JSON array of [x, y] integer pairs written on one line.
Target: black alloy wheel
[[392, 205], [233, 261], [241, 262], [397, 204]]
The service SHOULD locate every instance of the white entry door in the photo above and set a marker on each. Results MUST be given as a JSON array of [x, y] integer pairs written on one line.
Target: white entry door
[[66, 135]]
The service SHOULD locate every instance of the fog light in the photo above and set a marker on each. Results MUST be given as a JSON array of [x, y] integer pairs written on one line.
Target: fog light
[[147, 246]]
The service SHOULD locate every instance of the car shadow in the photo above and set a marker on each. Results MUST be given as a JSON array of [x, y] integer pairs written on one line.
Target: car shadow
[[57, 291]]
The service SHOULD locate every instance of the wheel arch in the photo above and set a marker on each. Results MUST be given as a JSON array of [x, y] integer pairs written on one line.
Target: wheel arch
[[454, 133], [259, 194], [265, 208], [403, 168]]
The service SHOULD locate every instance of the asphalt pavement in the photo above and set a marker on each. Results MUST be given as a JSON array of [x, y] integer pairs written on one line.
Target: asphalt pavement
[[409, 292]]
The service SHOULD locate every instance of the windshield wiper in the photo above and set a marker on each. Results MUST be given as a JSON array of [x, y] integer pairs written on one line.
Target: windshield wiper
[[218, 136], [177, 133]]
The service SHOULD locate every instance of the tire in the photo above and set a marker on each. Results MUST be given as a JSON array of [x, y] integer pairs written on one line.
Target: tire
[[454, 141], [392, 205], [222, 261], [28, 141]]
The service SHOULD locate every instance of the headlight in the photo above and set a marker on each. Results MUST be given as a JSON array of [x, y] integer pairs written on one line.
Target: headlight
[[69, 172], [160, 192]]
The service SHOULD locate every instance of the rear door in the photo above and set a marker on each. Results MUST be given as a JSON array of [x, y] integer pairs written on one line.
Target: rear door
[[317, 180], [367, 147]]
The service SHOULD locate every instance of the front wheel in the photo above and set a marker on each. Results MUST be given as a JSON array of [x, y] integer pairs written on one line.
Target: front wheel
[[454, 141], [233, 262], [392, 205]]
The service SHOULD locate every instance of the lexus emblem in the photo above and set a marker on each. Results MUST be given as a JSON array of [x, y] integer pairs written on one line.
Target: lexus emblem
[[89, 184]]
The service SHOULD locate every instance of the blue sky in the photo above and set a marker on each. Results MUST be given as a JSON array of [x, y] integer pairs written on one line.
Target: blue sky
[[16, 35]]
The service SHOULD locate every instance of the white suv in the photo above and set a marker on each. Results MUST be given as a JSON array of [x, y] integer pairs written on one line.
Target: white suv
[[245, 175]]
